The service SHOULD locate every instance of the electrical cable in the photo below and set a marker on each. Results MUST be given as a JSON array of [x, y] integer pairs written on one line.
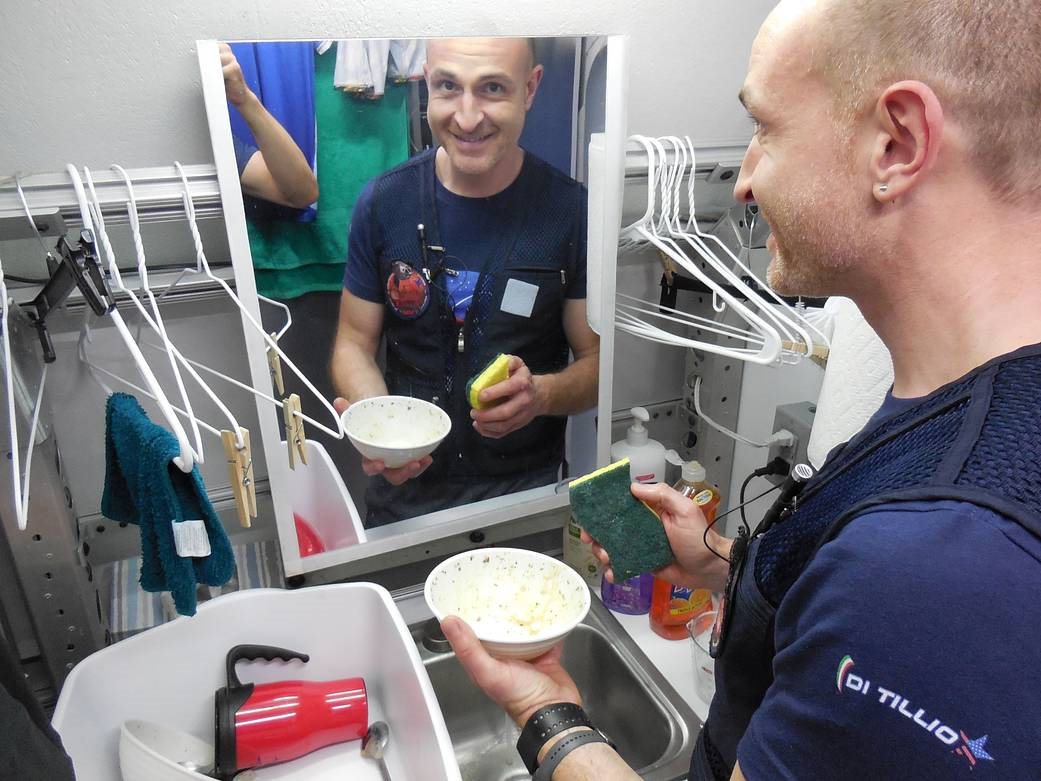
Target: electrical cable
[[744, 485], [704, 537], [782, 437], [777, 466]]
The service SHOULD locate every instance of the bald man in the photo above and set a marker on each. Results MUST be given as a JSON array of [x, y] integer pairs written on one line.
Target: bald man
[[499, 267], [888, 626]]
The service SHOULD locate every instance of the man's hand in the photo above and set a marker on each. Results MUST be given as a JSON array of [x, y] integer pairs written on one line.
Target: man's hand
[[695, 565], [234, 84], [395, 476], [520, 403], [519, 687]]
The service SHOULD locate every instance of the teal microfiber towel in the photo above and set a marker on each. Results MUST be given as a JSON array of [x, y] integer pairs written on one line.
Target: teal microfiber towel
[[144, 487]]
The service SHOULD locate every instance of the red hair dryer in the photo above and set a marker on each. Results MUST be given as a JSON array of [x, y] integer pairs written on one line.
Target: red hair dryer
[[263, 724]]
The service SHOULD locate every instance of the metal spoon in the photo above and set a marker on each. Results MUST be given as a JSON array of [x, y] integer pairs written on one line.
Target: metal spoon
[[374, 745]]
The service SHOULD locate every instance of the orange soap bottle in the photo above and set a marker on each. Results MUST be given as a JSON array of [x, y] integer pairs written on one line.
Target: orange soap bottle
[[673, 606]]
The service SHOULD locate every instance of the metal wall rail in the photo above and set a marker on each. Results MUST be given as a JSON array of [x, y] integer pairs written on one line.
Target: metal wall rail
[[158, 191]]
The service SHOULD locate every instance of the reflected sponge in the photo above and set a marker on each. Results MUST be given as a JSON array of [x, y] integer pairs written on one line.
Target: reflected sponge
[[629, 530], [495, 372]]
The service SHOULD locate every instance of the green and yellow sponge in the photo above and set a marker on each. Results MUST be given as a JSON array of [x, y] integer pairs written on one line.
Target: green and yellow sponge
[[628, 529], [495, 372]]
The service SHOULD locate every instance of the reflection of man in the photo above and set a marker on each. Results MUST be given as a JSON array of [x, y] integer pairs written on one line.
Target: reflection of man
[[876, 631], [499, 268], [277, 171]]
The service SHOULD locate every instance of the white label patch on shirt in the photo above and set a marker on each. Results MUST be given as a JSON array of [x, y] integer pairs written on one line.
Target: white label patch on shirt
[[519, 298]]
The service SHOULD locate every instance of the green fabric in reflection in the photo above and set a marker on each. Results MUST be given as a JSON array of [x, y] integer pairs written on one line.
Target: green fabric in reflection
[[357, 139]]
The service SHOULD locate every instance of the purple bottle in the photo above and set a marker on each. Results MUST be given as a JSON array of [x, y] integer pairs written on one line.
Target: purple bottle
[[632, 597]]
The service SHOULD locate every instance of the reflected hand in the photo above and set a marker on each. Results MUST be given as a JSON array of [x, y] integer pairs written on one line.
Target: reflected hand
[[234, 83], [695, 566], [520, 403], [519, 687], [395, 476]]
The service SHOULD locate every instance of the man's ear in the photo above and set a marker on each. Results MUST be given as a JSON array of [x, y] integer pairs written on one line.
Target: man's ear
[[909, 129], [532, 86]]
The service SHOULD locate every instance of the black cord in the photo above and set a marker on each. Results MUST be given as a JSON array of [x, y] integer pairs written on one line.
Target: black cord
[[744, 485], [777, 466], [704, 537]]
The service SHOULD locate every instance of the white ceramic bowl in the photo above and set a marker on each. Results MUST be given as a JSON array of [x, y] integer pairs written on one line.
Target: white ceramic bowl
[[395, 429], [150, 752], [518, 603]]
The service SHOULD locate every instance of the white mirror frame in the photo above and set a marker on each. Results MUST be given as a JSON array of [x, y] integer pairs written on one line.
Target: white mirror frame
[[605, 199]]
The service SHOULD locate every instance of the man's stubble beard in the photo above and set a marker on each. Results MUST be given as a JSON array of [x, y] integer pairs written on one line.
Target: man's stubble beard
[[819, 240]]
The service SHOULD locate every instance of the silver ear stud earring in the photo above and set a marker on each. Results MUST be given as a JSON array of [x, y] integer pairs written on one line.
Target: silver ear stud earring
[[883, 188]]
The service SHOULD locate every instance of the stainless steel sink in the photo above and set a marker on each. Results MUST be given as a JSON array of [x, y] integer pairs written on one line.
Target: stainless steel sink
[[624, 695]]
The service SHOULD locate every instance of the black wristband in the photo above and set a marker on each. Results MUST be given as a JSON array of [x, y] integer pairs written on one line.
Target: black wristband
[[544, 724], [564, 747]]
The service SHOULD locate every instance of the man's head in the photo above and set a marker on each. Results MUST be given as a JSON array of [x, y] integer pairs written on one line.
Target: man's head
[[871, 109], [479, 92]]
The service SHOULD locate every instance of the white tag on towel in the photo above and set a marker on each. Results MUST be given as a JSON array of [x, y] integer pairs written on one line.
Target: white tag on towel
[[190, 538]]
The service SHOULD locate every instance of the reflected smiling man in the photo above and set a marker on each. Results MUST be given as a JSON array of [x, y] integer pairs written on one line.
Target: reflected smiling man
[[888, 625], [498, 266]]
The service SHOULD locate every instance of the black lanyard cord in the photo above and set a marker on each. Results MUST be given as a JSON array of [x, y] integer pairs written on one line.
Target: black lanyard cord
[[704, 537]]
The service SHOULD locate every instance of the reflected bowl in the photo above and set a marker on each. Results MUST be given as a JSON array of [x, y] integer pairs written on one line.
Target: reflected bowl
[[519, 603], [152, 752], [395, 429]]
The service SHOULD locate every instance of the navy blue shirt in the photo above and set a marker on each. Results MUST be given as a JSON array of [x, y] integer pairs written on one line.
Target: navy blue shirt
[[470, 231], [907, 649]]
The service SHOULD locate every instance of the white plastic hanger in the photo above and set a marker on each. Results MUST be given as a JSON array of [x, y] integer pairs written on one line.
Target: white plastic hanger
[[763, 340], [794, 320], [20, 482], [185, 461], [203, 267], [116, 283], [791, 328], [154, 318], [627, 313], [235, 439], [789, 331]]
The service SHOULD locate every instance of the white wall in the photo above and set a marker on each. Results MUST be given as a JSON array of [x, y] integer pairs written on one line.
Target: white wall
[[96, 83]]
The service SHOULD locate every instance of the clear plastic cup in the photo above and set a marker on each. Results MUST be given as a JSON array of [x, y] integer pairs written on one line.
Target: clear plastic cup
[[700, 630]]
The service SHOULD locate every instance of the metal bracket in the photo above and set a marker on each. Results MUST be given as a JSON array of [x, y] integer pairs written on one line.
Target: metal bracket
[[13, 225], [79, 267]]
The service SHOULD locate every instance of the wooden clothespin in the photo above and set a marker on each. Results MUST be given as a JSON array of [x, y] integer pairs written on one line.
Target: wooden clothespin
[[275, 367], [819, 354], [668, 266], [296, 439], [240, 471]]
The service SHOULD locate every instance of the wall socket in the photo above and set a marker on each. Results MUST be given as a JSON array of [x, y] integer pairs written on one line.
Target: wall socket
[[798, 419]]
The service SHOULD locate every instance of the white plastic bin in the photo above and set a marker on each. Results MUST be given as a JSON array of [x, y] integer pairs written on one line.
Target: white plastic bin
[[169, 674], [319, 496]]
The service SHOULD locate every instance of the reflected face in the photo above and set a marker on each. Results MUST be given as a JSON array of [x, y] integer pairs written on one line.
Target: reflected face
[[479, 92], [800, 165]]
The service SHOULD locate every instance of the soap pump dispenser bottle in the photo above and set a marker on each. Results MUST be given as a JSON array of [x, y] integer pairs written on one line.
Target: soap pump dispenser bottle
[[646, 456]]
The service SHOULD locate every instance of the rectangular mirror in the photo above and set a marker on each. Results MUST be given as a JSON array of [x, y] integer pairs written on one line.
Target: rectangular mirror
[[418, 207]]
